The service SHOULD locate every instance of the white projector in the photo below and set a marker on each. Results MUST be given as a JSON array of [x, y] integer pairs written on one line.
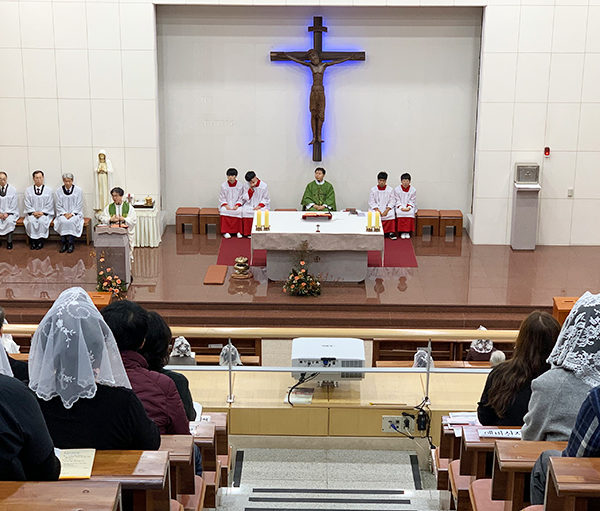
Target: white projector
[[310, 354]]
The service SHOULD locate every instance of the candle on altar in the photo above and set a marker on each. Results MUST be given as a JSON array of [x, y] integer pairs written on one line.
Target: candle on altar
[[267, 218], [369, 219], [258, 218], [377, 219]]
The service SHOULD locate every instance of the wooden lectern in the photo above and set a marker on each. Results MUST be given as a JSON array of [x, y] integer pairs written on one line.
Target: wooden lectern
[[113, 243]]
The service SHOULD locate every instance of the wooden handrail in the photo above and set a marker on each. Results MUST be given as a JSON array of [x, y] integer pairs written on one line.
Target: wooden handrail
[[409, 334]]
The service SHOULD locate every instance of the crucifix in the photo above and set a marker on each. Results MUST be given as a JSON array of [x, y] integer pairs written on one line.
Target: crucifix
[[318, 61]]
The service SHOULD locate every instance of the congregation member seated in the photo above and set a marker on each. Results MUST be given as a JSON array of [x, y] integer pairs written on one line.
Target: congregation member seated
[[156, 352], [558, 394], [129, 324], [18, 368], [77, 374], [9, 209], [39, 211], [382, 198], [120, 213], [584, 442], [480, 350], [508, 387], [319, 194], [255, 197], [26, 448], [181, 354], [406, 206], [230, 205], [69, 213]]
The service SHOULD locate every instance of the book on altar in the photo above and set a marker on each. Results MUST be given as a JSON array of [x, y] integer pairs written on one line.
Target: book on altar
[[111, 229], [75, 463], [500, 433]]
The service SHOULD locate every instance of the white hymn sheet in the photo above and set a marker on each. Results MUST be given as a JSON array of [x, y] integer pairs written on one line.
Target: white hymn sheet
[[500, 433]]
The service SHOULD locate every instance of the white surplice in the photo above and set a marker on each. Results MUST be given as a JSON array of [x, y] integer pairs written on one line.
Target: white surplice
[[130, 221], [9, 204], [230, 196], [72, 203], [260, 196], [383, 199], [404, 200], [38, 227]]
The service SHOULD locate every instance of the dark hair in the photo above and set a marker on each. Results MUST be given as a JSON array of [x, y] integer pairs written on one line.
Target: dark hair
[[537, 336], [128, 322], [37, 172], [158, 339], [2, 316], [118, 190], [382, 175], [321, 169], [250, 175], [406, 175], [231, 172]]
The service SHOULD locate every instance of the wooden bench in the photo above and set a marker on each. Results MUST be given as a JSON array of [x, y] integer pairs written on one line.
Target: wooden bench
[[459, 487], [573, 484], [87, 229], [187, 216], [194, 502], [428, 218], [210, 216], [451, 218], [513, 462], [60, 495]]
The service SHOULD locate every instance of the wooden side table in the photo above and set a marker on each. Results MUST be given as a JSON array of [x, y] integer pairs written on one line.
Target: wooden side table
[[451, 218], [210, 216], [428, 217], [187, 216]]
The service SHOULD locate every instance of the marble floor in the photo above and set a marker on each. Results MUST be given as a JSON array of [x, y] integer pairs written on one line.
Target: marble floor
[[310, 479]]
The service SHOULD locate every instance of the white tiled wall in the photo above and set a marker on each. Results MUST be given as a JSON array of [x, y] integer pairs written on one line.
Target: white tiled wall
[[81, 75]]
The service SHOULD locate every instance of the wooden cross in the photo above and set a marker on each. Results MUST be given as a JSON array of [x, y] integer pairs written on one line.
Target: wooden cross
[[325, 56]]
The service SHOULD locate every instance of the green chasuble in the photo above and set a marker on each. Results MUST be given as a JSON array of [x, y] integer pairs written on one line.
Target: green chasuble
[[112, 209], [319, 195]]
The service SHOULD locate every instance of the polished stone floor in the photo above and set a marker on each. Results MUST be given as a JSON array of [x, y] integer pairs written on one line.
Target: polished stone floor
[[449, 272]]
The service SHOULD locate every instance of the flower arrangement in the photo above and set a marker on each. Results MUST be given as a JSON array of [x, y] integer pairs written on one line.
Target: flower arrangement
[[108, 281], [302, 283]]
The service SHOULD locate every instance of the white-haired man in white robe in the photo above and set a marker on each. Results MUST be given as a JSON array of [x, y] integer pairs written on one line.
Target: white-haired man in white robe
[[9, 209], [122, 213], [68, 200], [39, 211]]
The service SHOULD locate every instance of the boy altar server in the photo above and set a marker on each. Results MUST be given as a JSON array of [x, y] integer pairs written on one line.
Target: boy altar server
[[319, 194], [256, 197], [382, 198], [69, 213], [39, 211], [9, 210], [230, 209], [406, 206], [122, 213]]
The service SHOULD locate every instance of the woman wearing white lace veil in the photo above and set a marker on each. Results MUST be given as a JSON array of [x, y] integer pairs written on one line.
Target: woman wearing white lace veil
[[558, 394], [77, 373]]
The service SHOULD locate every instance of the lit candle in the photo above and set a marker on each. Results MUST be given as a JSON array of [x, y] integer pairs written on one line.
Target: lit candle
[[258, 218], [377, 219], [267, 218], [369, 219]]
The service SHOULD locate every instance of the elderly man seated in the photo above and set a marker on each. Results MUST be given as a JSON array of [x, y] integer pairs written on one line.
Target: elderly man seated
[[68, 201]]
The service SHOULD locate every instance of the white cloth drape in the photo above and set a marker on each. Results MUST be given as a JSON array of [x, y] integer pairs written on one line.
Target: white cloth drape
[[147, 231]]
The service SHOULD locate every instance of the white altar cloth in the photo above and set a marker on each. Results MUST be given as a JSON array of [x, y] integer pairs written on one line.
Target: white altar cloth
[[147, 231]]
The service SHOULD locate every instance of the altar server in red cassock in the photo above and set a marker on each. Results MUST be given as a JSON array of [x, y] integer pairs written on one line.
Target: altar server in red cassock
[[256, 197], [230, 205], [382, 198], [406, 206]]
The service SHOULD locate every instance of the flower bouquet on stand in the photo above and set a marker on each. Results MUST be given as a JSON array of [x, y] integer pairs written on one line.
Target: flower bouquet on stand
[[301, 283], [108, 281]]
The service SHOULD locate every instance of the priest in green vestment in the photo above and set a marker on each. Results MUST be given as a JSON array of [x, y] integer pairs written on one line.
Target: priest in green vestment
[[319, 194], [121, 213]]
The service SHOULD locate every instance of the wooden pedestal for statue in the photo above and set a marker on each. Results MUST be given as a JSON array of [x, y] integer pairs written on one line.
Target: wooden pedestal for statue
[[113, 244]]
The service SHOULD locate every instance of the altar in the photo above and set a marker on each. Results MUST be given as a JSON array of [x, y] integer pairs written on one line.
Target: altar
[[336, 249]]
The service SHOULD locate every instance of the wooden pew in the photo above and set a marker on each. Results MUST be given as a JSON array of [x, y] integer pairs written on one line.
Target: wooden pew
[[573, 484], [144, 476], [19, 233], [181, 460], [474, 450], [459, 487], [205, 439], [60, 495], [222, 443], [479, 493], [513, 461]]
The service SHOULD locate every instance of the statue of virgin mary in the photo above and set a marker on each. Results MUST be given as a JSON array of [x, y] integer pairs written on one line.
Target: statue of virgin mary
[[103, 181]]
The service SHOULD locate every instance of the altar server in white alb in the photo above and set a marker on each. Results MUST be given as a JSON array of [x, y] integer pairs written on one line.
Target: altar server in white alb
[[122, 213], [39, 211], [382, 198], [9, 209], [230, 205], [256, 197], [68, 200], [406, 206]]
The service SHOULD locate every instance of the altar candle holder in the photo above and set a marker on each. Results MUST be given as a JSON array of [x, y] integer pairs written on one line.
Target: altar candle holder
[[370, 229]]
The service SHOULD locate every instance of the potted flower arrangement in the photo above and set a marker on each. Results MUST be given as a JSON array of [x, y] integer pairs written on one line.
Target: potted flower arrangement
[[109, 282], [301, 283]]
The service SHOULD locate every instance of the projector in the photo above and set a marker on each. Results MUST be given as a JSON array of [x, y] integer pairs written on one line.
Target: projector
[[309, 354]]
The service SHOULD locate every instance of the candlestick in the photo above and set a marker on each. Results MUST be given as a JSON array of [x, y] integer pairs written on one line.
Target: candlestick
[[258, 219], [267, 225], [377, 220], [369, 219]]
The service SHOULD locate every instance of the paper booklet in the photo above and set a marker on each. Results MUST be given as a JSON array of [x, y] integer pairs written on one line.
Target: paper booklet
[[75, 463], [500, 433]]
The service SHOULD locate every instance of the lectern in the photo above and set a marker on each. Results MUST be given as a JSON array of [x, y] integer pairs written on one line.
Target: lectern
[[526, 192], [113, 244]]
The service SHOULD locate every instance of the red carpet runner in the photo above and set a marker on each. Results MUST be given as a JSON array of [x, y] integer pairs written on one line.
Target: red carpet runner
[[398, 253]]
